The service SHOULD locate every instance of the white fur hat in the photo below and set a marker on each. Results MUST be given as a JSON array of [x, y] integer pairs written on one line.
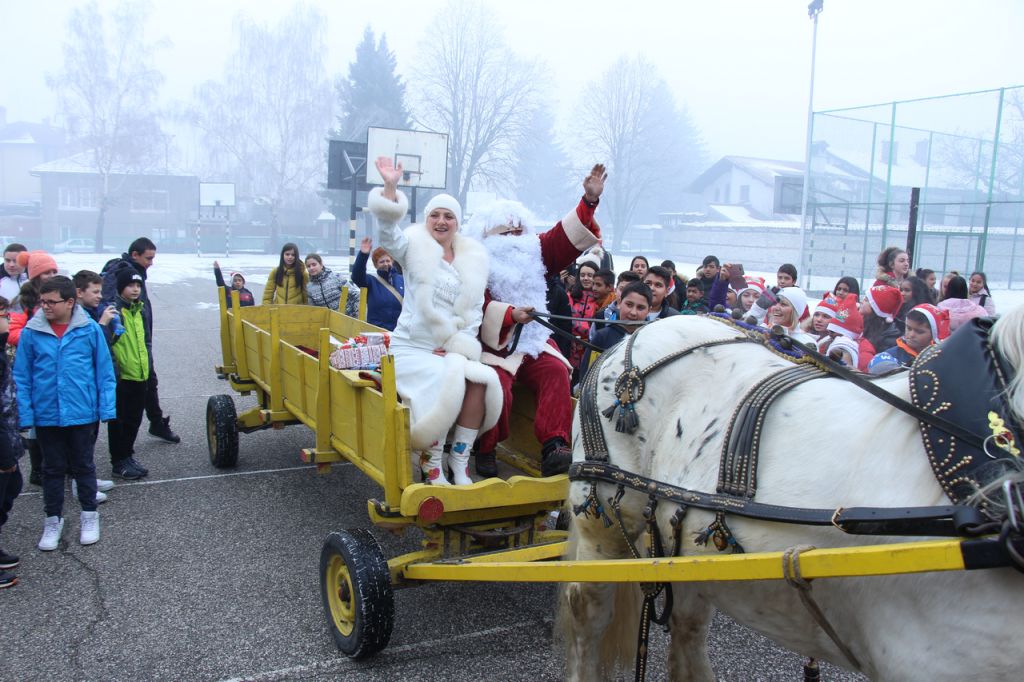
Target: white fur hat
[[500, 213], [847, 344], [798, 299], [444, 201]]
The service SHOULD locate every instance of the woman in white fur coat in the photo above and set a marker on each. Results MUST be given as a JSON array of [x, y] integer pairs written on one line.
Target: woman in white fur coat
[[437, 353]]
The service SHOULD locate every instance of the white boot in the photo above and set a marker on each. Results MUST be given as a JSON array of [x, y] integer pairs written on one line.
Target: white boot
[[53, 527], [431, 463], [462, 442], [90, 522]]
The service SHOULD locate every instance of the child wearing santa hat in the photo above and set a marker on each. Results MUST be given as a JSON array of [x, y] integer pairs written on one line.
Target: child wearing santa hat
[[846, 322], [879, 309], [926, 324], [824, 312]]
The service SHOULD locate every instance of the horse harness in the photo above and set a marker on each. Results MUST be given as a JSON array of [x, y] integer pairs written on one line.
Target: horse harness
[[737, 480]]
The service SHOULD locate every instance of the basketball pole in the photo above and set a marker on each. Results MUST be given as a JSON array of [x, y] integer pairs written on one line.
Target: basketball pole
[[813, 10]]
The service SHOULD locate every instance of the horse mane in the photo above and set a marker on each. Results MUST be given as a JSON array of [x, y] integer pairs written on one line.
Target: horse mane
[[1008, 340]]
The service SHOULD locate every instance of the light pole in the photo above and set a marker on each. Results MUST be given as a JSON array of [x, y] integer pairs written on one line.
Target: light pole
[[813, 10]]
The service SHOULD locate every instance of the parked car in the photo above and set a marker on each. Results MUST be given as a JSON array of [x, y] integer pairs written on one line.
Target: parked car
[[80, 245]]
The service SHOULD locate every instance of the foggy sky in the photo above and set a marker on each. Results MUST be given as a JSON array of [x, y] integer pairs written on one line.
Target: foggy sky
[[741, 67]]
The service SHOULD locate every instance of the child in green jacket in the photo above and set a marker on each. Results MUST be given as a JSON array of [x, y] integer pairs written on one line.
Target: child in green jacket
[[132, 360]]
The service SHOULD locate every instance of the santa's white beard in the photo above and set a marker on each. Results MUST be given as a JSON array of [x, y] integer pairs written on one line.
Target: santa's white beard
[[517, 278]]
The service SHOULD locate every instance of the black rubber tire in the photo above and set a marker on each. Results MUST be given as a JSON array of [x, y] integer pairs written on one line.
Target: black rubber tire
[[360, 610], [222, 431]]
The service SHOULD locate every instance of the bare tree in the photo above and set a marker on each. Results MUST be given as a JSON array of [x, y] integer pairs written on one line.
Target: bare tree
[[969, 155], [264, 122], [470, 84], [630, 120], [107, 93]]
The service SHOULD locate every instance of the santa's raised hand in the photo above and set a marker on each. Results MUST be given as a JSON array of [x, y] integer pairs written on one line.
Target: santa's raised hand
[[593, 184]]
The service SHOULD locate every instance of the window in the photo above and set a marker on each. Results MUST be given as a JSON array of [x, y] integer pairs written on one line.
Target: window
[[150, 200], [81, 198], [744, 194]]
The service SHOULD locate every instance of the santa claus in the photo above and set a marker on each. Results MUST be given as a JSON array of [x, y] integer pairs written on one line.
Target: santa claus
[[521, 262]]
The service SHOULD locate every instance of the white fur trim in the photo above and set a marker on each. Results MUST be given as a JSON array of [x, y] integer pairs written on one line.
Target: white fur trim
[[423, 260], [463, 344], [385, 209], [493, 398], [553, 350], [445, 407], [494, 319], [509, 363], [448, 403], [579, 234]]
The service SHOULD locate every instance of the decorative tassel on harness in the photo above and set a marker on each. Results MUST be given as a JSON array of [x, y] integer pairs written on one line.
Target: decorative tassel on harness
[[592, 506], [629, 388], [718, 531]]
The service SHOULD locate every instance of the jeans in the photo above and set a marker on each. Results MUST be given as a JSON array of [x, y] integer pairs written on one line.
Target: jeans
[[121, 433], [10, 488], [67, 450]]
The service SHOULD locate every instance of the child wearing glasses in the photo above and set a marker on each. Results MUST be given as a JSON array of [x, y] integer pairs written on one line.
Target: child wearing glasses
[[66, 384]]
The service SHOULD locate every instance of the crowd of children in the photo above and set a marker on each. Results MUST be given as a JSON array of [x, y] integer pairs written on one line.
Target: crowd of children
[[82, 355]]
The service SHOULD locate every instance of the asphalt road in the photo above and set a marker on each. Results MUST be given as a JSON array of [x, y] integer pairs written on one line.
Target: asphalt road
[[203, 574]]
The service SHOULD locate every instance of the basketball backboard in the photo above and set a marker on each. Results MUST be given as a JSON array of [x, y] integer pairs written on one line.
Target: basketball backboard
[[217, 194], [423, 155]]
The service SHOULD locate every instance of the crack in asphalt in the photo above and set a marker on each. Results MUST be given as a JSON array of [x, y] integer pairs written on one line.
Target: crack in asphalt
[[97, 614]]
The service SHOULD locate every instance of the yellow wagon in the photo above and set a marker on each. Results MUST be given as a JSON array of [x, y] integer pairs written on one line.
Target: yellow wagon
[[279, 354]]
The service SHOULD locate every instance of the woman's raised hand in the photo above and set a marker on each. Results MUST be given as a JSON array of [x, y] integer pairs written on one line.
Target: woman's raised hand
[[365, 245], [593, 184], [388, 171]]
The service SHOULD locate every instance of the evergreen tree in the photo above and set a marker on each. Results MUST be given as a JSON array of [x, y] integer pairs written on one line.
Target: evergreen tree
[[543, 177], [372, 94]]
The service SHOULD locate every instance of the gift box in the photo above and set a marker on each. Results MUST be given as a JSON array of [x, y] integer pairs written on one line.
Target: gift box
[[361, 352]]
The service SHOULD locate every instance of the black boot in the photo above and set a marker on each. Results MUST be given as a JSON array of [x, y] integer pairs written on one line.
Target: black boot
[[35, 458], [162, 430], [486, 464], [555, 457]]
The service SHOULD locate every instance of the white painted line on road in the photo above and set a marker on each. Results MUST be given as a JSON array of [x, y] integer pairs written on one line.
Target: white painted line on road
[[161, 481], [336, 665]]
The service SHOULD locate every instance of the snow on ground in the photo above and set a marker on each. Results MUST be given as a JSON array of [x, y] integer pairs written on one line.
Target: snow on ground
[[169, 268]]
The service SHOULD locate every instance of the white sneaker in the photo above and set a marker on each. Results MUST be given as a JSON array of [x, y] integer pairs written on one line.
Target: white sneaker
[[90, 528], [101, 496], [103, 485], [53, 527]]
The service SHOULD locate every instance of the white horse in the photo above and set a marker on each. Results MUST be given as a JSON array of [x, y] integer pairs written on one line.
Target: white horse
[[826, 444]]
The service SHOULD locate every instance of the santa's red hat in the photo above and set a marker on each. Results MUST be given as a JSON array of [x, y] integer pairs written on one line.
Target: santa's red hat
[[885, 301], [848, 320], [827, 306], [937, 318]]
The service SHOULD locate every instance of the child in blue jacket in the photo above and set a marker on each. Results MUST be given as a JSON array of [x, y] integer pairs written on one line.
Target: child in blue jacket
[[66, 384]]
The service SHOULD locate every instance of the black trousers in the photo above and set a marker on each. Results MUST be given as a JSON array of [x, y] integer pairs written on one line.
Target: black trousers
[[153, 412], [121, 433], [10, 488], [67, 450]]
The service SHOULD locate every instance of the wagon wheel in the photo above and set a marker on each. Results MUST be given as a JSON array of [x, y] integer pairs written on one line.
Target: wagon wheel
[[222, 431], [355, 586]]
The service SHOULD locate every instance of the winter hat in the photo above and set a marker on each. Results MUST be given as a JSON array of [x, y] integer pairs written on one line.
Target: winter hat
[[798, 299], [938, 319], [848, 321], [36, 262], [125, 277], [885, 301], [236, 273], [827, 306], [496, 217], [444, 201], [755, 284], [847, 344]]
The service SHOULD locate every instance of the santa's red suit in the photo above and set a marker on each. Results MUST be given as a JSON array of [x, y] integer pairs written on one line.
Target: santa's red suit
[[546, 372]]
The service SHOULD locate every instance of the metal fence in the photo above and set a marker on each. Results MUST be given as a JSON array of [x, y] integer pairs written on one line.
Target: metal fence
[[966, 154]]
